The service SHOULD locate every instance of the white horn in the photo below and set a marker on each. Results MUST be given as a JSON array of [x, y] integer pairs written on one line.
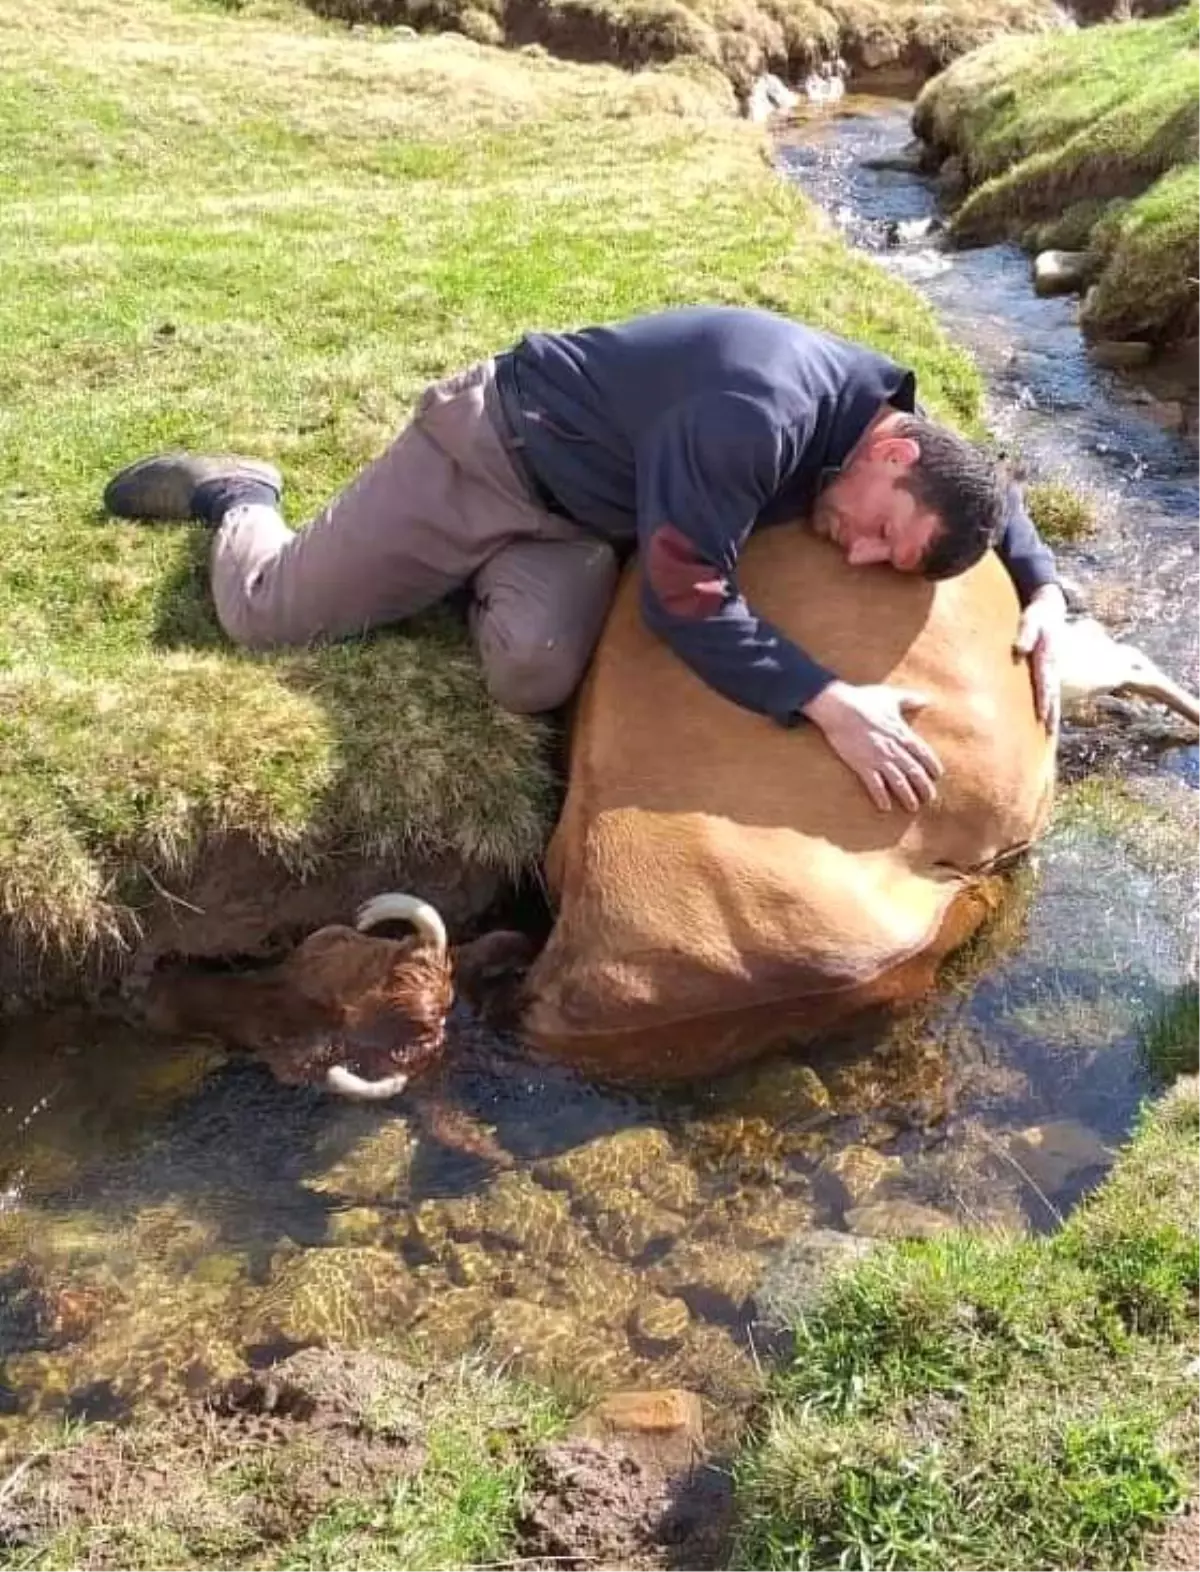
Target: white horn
[[1093, 662], [345, 1083], [394, 907]]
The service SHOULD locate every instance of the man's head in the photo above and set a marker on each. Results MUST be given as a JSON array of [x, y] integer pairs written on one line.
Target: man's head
[[914, 495]]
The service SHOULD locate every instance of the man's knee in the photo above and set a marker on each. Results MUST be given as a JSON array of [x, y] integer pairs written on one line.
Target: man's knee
[[539, 611], [526, 678]]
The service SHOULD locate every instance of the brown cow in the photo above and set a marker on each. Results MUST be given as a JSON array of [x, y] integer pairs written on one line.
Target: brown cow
[[724, 884]]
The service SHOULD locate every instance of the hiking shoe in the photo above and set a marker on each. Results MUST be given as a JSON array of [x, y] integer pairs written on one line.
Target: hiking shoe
[[165, 485]]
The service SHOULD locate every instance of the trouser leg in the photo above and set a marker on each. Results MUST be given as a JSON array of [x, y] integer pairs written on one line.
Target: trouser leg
[[414, 525], [538, 610], [375, 555]]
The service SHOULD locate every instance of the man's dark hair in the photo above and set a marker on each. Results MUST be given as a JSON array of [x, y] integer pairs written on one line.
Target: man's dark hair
[[961, 484]]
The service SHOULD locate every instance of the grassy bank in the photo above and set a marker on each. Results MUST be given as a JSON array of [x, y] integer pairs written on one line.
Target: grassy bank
[[740, 38], [1086, 142], [975, 1402], [259, 231]]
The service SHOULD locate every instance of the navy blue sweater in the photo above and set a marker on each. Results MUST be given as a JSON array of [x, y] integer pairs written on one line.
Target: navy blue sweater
[[683, 430]]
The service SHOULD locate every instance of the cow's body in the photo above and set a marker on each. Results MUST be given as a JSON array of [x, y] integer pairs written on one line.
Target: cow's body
[[725, 884]]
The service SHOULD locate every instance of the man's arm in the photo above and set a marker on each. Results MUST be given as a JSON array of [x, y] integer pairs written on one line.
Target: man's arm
[[1029, 560], [1031, 566], [704, 474]]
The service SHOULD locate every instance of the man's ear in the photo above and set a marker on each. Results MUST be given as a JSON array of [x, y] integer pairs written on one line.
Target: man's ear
[[901, 451]]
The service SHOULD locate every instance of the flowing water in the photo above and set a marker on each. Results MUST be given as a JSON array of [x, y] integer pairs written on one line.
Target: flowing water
[[169, 1215]]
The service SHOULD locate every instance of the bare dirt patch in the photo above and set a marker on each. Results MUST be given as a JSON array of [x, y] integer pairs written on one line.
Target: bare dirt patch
[[596, 1505], [267, 1455], [1179, 1545]]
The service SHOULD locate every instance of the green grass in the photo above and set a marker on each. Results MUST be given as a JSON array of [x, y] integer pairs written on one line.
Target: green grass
[[992, 1402], [1062, 514], [1170, 1040], [1086, 141], [261, 232]]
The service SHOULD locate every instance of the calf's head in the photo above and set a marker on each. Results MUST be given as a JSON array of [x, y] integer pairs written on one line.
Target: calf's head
[[356, 1013]]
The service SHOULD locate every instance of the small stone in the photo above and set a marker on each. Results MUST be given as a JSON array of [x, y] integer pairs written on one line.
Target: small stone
[[1121, 354], [849, 1176], [469, 1264], [543, 1343], [631, 1230], [909, 161], [752, 1219], [355, 1225], [658, 1324], [335, 1295], [1050, 1153], [665, 1428], [1062, 272], [780, 1091], [897, 1219], [450, 1320]]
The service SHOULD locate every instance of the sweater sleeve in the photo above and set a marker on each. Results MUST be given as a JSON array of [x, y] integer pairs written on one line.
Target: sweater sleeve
[[1029, 561], [704, 472]]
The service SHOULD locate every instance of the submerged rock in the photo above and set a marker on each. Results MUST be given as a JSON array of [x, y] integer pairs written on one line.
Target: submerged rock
[[898, 1219], [658, 1325], [715, 1282], [800, 1275], [604, 1171], [543, 1344], [1051, 1153], [337, 1295], [849, 1176], [635, 1227]]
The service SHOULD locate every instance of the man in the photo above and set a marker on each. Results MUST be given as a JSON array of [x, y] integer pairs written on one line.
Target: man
[[525, 477]]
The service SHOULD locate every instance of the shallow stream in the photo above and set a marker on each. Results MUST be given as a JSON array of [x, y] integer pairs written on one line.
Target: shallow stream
[[169, 1215]]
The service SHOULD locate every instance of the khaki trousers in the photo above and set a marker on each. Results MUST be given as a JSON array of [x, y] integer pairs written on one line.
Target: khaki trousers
[[442, 507]]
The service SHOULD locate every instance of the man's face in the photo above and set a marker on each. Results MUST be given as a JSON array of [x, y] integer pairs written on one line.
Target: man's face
[[867, 513]]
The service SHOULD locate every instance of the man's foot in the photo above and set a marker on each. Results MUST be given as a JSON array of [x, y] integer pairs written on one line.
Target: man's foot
[[190, 486]]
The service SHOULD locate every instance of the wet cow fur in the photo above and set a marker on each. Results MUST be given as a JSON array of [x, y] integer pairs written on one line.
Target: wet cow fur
[[376, 1005]]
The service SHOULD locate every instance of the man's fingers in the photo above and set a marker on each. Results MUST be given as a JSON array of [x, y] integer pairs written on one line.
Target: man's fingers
[[918, 750], [877, 787], [1028, 632], [910, 699], [901, 787]]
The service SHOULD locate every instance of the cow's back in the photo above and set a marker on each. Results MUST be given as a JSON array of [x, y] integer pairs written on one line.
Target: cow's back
[[724, 883]]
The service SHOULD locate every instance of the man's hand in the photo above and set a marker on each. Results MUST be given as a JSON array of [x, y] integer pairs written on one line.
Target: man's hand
[[1040, 636], [866, 728]]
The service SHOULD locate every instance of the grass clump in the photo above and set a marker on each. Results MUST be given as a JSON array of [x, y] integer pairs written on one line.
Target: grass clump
[[248, 229], [1090, 141], [1170, 1040], [1062, 514], [975, 1402]]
